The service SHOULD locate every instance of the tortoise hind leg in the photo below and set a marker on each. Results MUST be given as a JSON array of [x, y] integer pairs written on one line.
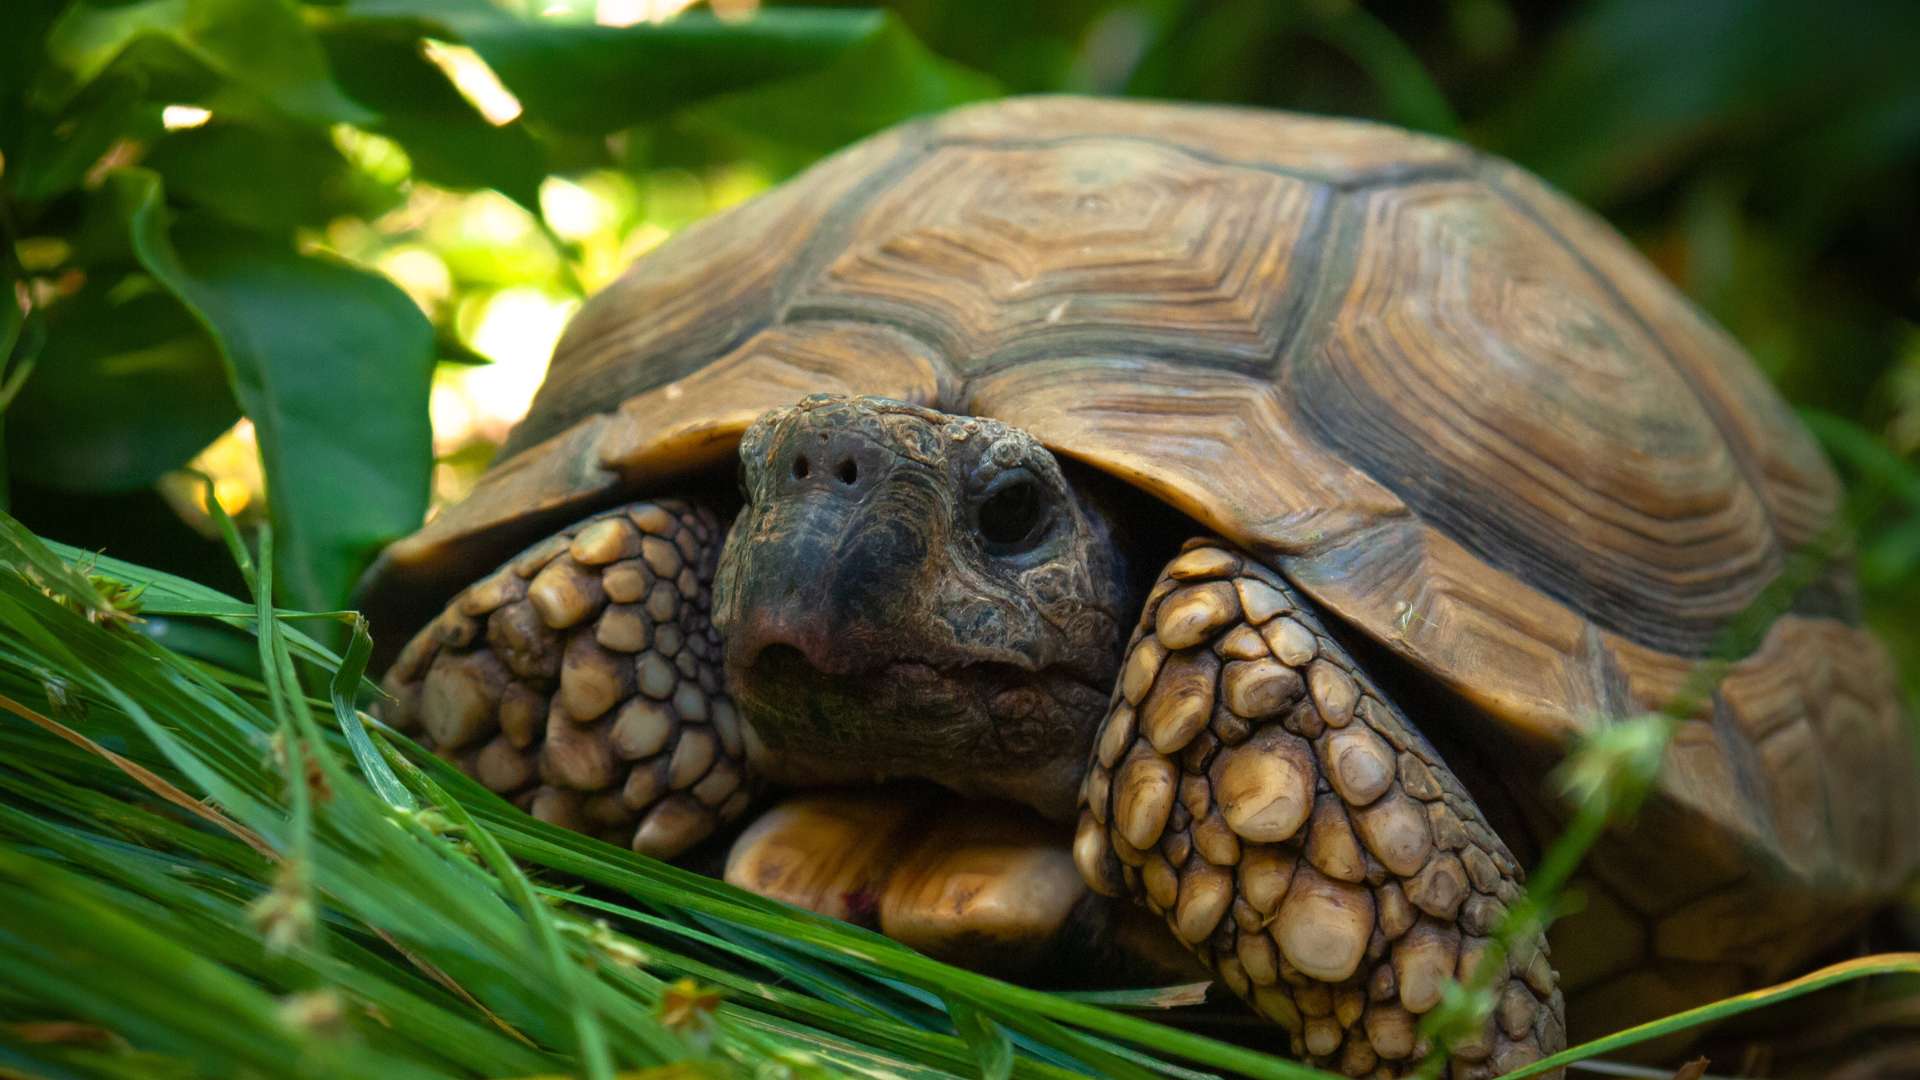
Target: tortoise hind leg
[[1253, 787], [582, 679]]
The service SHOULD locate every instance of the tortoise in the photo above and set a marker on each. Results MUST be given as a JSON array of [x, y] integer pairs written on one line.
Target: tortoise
[[1263, 503]]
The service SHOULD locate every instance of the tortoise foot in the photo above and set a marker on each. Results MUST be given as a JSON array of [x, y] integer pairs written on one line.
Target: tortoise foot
[[987, 885], [1250, 785], [582, 680]]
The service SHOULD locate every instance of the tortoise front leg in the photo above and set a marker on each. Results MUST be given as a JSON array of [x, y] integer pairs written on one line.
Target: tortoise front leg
[[582, 680], [1251, 785]]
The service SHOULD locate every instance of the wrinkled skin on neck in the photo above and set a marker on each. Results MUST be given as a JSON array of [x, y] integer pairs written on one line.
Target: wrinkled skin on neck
[[912, 594]]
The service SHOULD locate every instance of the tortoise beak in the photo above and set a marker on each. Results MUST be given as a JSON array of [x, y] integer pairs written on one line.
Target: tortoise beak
[[825, 565]]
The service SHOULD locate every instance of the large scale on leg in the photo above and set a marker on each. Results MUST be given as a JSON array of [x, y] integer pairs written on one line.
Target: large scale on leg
[[582, 680], [1253, 787]]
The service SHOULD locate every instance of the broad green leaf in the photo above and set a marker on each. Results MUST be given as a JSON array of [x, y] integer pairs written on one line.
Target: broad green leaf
[[268, 178], [382, 66], [55, 152], [262, 46], [13, 319], [331, 364], [587, 79], [593, 79], [127, 387], [884, 78]]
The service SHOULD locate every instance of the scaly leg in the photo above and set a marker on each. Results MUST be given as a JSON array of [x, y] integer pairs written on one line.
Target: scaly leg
[[1252, 786], [582, 680]]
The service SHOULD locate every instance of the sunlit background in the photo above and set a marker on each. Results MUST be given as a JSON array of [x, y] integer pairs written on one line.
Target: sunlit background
[[497, 281]]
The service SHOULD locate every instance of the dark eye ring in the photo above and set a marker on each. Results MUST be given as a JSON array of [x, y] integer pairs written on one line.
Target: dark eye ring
[[1010, 516]]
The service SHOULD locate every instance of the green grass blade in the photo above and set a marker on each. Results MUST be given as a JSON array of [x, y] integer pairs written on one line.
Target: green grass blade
[[591, 1039], [169, 594], [1831, 975], [342, 689], [990, 1045], [1153, 997]]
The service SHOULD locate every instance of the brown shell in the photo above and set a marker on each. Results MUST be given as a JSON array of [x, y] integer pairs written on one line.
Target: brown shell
[[1456, 409]]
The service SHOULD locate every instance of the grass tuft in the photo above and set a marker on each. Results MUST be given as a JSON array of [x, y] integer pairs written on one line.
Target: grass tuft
[[206, 879]]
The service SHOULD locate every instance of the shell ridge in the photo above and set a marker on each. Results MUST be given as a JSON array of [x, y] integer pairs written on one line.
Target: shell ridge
[[831, 234], [1194, 152], [1576, 588], [1388, 424], [1308, 273], [1751, 469]]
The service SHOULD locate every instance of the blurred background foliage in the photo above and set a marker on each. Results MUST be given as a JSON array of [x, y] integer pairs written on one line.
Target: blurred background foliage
[[324, 248]]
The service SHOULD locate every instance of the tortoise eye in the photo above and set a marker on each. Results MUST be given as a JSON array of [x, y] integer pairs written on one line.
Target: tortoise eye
[[1009, 518]]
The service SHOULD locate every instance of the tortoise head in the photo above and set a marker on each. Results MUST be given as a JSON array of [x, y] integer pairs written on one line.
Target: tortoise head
[[912, 594]]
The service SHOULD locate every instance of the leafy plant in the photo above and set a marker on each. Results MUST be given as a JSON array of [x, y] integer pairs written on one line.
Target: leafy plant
[[168, 162]]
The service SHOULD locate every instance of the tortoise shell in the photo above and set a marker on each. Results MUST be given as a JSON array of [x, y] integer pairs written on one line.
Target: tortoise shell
[[1454, 408]]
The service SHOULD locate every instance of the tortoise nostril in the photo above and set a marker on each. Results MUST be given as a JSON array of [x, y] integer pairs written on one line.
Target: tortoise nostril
[[783, 658], [849, 472], [801, 468]]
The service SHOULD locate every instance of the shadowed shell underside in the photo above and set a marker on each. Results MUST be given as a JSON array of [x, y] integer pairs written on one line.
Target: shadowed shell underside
[[1456, 410]]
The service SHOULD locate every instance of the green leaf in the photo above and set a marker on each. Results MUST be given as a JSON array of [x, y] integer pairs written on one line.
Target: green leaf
[[269, 178], [1409, 93], [563, 976], [331, 363], [990, 1045], [168, 594], [590, 80], [54, 153], [1882, 472], [1626, 91], [260, 46], [127, 387], [382, 67], [21, 53], [885, 77]]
